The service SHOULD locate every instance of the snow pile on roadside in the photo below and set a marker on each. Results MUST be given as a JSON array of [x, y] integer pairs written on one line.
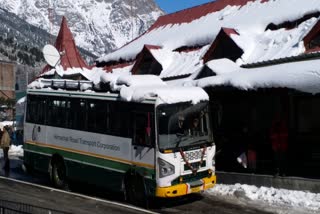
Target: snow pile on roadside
[[5, 123], [297, 199], [14, 151]]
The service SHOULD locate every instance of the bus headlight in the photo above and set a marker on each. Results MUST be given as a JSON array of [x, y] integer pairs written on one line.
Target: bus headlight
[[165, 168]]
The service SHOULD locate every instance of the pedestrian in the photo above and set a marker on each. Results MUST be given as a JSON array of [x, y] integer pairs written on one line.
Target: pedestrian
[[279, 143], [5, 144]]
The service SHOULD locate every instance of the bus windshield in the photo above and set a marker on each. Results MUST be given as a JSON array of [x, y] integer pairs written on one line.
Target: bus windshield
[[182, 125]]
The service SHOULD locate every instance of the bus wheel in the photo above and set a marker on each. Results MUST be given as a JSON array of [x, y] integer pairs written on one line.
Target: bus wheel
[[135, 191], [58, 174]]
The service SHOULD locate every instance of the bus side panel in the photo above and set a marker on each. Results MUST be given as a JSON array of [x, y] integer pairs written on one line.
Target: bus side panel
[[35, 156], [89, 157], [112, 180]]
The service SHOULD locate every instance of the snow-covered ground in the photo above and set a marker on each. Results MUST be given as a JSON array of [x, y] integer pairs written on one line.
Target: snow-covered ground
[[279, 200], [14, 152]]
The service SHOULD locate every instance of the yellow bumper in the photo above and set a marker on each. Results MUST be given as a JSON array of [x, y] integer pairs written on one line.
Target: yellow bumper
[[184, 188]]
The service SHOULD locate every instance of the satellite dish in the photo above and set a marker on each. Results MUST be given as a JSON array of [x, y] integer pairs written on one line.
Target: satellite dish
[[51, 55]]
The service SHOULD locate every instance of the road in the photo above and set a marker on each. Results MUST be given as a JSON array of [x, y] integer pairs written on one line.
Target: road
[[92, 200]]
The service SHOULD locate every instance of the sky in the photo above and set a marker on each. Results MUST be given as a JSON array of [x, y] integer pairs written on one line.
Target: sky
[[170, 6]]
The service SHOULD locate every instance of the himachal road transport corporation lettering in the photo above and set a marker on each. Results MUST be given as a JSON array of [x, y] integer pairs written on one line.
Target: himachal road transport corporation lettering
[[82, 141]]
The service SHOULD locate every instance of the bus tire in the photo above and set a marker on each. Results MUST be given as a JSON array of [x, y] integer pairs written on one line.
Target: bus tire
[[58, 174], [135, 191]]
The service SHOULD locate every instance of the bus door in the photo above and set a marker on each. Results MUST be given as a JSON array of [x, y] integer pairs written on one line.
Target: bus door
[[143, 155]]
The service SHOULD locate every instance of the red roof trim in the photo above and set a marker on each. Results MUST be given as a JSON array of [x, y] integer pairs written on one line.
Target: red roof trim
[[317, 49], [223, 32], [121, 65], [230, 31], [314, 32], [188, 15], [139, 60], [152, 47]]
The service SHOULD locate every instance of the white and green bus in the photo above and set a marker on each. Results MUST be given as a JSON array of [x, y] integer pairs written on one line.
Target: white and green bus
[[143, 149]]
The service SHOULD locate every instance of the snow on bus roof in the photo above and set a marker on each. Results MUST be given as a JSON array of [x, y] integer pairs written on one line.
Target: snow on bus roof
[[303, 76], [137, 88], [164, 94]]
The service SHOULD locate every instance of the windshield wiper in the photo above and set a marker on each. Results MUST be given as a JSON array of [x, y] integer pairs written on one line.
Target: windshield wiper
[[198, 141], [180, 137]]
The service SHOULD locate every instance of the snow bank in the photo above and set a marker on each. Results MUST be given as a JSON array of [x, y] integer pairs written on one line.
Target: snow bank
[[271, 195], [14, 151], [22, 100], [6, 123]]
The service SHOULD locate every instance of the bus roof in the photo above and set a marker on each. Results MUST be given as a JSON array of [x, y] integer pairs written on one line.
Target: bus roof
[[135, 88]]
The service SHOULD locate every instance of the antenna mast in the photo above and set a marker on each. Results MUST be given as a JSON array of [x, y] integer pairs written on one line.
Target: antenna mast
[[50, 17]]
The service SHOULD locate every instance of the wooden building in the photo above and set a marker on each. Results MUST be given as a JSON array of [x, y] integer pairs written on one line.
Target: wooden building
[[7, 89]]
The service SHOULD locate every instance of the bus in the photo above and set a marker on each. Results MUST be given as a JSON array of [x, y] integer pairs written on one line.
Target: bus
[[143, 149]]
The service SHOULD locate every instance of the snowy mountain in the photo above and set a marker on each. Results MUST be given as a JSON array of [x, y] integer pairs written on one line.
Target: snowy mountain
[[22, 42], [98, 26]]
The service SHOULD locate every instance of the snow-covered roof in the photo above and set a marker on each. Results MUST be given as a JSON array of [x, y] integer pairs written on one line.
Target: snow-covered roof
[[179, 63], [273, 44], [169, 38], [303, 76], [201, 28]]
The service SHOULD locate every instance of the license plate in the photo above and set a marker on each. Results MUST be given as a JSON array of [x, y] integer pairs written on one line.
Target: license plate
[[196, 189]]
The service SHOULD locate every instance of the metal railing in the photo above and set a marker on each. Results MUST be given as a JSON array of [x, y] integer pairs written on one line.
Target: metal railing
[[10, 207]]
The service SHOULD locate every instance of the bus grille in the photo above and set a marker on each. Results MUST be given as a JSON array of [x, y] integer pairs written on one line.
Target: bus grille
[[193, 155], [194, 165], [190, 178]]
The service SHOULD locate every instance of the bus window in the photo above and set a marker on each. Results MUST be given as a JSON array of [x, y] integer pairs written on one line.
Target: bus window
[[143, 129], [119, 120], [96, 116], [57, 112], [36, 108]]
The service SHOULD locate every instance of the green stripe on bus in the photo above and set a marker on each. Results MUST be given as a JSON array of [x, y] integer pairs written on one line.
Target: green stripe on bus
[[99, 162]]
